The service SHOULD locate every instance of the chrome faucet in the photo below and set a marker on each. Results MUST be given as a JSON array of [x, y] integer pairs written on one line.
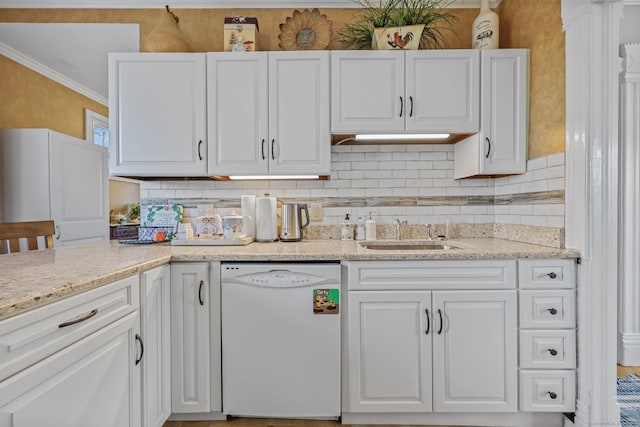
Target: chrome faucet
[[428, 227], [399, 225]]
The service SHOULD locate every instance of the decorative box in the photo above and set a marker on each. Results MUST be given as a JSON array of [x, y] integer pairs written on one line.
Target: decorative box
[[240, 34]]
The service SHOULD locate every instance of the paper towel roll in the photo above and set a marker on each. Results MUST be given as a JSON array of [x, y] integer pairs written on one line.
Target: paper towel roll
[[248, 207], [266, 219]]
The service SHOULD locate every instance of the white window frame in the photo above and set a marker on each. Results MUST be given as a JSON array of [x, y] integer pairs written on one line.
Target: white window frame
[[92, 118]]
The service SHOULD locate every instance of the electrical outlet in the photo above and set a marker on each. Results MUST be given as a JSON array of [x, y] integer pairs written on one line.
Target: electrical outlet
[[316, 213]]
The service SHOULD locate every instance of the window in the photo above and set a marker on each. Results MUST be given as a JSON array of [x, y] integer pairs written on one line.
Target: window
[[96, 128]]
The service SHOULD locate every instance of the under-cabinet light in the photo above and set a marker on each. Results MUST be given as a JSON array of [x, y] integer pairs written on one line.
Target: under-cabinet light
[[263, 177], [400, 137]]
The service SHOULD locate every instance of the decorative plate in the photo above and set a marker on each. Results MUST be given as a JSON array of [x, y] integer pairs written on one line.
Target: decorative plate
[[306, 30]]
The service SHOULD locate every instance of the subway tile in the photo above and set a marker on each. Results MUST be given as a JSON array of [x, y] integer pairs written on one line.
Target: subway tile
[[446, 210], [350, 192], [473, 210], [375, 174], [396, 148], [340, 166], [365, 165], [432, 192], [391, 183], [297, 192], [443, 164], [419, 164], [392, 165], [365, 148], [404, 192], [310, 184], [537, 163], [351, 157], [479, 182], [555, 209], [458, 191], [189, 194], [555, 221], [434, 156], [531, 187], [483, 219], [521, 209], [508, 219], [404, 156], [378, 192], [341, 148], [432, 173], [419, 183], [391, 210], [364, 183], [508, 189], [555, 184], [518, 179], [378, 156], [556, 159], [403, 173], [360, 174], [161, 194], [549, 173]]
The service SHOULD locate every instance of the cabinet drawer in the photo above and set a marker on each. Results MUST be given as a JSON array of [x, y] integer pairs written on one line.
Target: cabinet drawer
[[547, 273], [32, 336], [548, 391], [548, 349], [547, 309], [409, 275]]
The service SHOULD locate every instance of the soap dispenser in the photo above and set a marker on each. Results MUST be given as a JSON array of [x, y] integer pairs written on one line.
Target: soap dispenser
[[360, 229], [346, 229], [370, 228]]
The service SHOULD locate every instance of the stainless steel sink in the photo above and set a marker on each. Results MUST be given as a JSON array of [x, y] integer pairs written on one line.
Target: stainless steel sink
[[425, 245]]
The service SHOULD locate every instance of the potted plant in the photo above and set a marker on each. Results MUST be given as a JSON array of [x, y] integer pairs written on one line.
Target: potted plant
[[382, 24]]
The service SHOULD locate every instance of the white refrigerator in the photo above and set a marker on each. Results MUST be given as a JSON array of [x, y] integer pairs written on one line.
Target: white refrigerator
[[49, 175]]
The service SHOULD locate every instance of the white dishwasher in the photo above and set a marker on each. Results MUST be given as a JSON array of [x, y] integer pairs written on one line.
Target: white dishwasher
[[281, 339]]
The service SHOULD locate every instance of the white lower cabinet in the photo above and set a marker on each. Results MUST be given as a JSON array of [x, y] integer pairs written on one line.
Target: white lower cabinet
[[389, 351], [195, 338], [155, 360], [468, 337], [94, 382]]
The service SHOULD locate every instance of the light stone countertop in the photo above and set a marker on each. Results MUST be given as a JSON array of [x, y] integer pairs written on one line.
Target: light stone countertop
[[31, 279]]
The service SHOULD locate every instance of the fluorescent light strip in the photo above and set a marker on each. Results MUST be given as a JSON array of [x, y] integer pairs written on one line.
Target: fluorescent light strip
[[404, 137], [263, 177]]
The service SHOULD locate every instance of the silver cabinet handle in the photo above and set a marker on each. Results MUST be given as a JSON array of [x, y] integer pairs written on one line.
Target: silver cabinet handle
[[273, 147], [401, 106], [411, 106], [79, 319], [262, 149], [59, 232], [486, 156], [199, 152]]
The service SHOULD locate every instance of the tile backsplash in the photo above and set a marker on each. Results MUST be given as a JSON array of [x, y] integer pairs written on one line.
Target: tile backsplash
[[412, 182]]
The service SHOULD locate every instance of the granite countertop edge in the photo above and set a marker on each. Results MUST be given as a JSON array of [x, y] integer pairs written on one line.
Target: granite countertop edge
[[37, 278]]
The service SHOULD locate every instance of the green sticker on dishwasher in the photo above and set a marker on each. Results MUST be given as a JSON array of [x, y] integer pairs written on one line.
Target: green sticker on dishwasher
[[326, 301]]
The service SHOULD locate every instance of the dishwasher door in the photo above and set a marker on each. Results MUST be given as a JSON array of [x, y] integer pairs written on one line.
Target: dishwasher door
[[281, 340]]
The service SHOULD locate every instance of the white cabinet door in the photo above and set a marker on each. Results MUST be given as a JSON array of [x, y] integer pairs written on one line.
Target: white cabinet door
[[501, 145], [389, 351], [93, 382], [367, 91], [237, 113], [157, 106], [190, 344], [475, 351], [504, 108], [79, 190], [299, 133], [443, 91], [50, 175], [155, 332]]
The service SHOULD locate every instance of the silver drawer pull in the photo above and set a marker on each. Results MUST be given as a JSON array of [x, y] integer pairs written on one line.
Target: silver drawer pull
[[553, 351], [79, 319], [552, 275], [553, 311], [552, 395]]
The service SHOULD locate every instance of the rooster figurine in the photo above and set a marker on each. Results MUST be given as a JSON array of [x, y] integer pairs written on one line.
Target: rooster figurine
[[398, 41]]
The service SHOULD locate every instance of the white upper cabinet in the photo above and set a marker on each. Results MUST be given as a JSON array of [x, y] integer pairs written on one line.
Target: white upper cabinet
[[397, 92], [501, 145], [157, 106], [268, 113], [237, 118]]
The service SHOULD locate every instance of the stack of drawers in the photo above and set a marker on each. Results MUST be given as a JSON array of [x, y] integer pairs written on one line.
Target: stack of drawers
[[547, 331]]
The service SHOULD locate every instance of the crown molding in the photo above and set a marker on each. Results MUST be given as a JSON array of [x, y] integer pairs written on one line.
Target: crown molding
[[38, 67], [203, 4]]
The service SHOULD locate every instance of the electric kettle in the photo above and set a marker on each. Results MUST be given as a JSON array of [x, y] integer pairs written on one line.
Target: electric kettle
[[292, 225]]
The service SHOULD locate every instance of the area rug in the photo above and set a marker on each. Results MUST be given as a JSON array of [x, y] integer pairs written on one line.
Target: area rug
[[629, 400]]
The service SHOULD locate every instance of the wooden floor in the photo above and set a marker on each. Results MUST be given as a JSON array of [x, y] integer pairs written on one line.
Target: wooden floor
[[264, 422]]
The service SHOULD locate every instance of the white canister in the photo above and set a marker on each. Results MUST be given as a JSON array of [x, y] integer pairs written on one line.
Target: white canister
[[266, 219]]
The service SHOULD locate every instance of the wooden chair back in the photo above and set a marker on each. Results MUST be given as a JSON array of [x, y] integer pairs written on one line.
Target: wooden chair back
[[12, 232]]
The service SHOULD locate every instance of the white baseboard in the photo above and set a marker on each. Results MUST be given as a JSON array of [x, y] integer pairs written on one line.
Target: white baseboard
[[629, 349]]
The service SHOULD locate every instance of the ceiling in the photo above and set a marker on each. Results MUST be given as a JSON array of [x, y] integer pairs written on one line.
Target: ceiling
[[75, 55]]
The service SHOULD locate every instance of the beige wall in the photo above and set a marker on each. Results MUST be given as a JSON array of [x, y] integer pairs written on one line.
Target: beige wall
[[122, 193], [37, 102]]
